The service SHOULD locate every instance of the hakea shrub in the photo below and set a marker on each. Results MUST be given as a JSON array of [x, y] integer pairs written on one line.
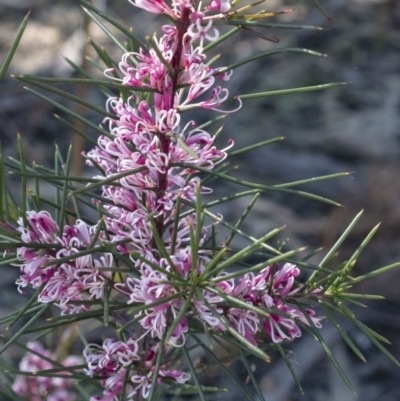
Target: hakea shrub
[[149, 252], [146, 146]]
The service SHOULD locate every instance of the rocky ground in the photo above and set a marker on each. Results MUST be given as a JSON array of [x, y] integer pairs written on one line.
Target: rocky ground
[[354, 128]]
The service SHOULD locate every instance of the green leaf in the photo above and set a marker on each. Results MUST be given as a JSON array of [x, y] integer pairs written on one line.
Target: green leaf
[[112, 179], [246, 251], [55, 177], [177, 319], [69, 96], [348, 296], [62, 217], [251, 376], [82, 81], [326, 349], [177, 219], [193, 373], [376, 272], [156, 372], [244, 235], [375, 338], [290, 367], [24, 329], [44, 373], [242, 219], [25, 311], [199, 225], [163, 250], [255, 146], [351, 262], [266, 54], [285, 91], [214, 261], [311, 281], [278, 188], [73, 128], [105, 30], [210, 122], [212, 355], [3, 186], [344, 335], [221, 39], [112, 21], [248, 23], [239, 303], [14, 46], [103, 55], [70, 112], [23, 179], [272, 260]]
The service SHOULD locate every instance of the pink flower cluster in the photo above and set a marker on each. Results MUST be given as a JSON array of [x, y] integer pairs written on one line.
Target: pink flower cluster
[[77, 279], [117, 362], [271, 289], [41, 388], [153, 156]]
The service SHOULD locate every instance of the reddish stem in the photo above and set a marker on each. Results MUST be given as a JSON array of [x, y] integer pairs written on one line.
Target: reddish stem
[[162, 184]]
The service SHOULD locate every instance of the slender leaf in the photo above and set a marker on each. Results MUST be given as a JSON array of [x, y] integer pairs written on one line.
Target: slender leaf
[[351, 262], [256, 268], [82, 81], [157, 368], [112, 21], [70, 112], [344, 335], [290, 367], [105, 30], [23, 179], [311, 281], [255, 146], [193, 373], [3, 196], [24, 329], [246, 251], [376, 272], [327, 350], [266, 54], [242, 218], [177, 319], [251, 376], [248, 23], [73, 128], [14, 46], [285, 91], [69, 96], [373, 337], [279, 187], [212, 355], [244, 235]]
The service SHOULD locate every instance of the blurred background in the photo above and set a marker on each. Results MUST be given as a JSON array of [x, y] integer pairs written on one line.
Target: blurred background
[[353, 128]]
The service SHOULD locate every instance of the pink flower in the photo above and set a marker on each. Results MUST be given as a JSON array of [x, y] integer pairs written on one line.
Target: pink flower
[[117, 362], [198, 31], [154, 6], [219, 5], [40, 388]]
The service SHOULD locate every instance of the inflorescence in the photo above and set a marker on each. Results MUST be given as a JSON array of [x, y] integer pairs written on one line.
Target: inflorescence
[[154, 157]]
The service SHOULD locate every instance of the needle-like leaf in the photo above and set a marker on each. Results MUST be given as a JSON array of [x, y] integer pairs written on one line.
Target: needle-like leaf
[[14, 46]]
